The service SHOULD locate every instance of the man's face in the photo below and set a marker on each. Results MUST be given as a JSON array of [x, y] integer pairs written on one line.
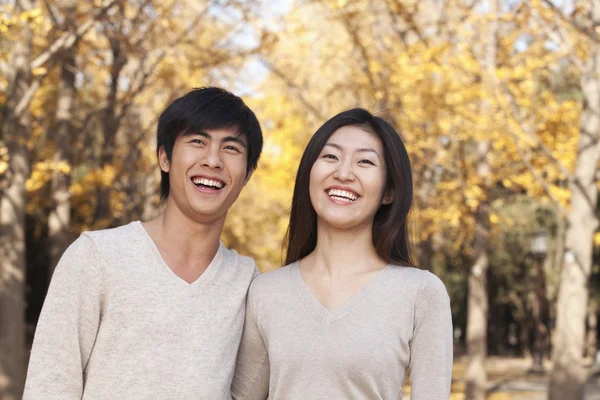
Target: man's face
[[207, 171]]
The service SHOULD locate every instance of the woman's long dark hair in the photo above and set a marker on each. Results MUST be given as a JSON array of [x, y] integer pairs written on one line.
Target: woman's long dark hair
[[390, 228]]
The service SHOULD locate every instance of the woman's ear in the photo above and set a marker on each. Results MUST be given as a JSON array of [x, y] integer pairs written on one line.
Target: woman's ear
[[388, 197], [163, 160]]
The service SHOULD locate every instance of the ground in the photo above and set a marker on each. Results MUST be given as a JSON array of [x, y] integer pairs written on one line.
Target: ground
[[509, 380]]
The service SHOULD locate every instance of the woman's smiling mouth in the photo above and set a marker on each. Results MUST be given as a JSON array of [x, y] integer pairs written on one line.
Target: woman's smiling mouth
[[344, 196]]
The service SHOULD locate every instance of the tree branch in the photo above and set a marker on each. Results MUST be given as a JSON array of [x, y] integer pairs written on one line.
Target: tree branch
[[568, 21], [295, 89], [545, 150], [51, 13], [67, 40], [5, 69]]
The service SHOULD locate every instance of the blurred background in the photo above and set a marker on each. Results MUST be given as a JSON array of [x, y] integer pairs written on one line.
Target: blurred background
[[498, 103]]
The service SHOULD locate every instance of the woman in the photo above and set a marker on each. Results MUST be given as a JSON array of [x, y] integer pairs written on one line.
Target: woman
[[348, 314]]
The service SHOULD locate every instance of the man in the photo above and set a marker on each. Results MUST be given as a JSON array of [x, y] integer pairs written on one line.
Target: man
[[155, 310]]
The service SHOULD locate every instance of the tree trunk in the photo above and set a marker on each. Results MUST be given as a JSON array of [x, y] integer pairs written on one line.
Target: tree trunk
[[477, 310], [15, 129], [59, 219], [477, 302], [568, 373], [110, 126], [592, 331]]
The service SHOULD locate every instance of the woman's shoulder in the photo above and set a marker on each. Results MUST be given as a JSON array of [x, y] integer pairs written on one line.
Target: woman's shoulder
[[417, 278], [275, 280]]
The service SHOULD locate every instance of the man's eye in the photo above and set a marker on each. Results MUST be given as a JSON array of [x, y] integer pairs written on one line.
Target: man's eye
[[233, 148], [198, 141]]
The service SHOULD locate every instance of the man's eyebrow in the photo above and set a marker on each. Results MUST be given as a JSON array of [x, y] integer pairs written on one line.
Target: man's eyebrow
[[361, 150], [199, 133], [235, 139]]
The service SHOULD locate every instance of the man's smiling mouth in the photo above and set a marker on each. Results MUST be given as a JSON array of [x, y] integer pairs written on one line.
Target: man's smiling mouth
[[208, 183]]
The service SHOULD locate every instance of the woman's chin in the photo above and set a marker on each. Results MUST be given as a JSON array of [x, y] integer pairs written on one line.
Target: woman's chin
[[344, 224]]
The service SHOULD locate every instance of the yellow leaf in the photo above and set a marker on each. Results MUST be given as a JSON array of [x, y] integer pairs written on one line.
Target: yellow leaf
[[39, 71], [597, 239]]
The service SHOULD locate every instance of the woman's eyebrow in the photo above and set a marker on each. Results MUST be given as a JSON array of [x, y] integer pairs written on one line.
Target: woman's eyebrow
[[360, 150]]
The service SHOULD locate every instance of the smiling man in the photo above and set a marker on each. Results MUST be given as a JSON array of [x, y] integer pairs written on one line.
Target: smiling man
[[156, 309]]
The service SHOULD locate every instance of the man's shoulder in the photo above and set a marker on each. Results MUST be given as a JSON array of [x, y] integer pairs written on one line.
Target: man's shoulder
[[121, 236], [232, 258]]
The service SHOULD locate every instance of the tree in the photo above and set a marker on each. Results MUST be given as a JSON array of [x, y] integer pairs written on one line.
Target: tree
[[15, 131], [568, 373], [59, 219], [16, 128], [477, 314]]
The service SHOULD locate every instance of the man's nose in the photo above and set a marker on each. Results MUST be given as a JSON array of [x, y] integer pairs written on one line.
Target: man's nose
[[212, 157]]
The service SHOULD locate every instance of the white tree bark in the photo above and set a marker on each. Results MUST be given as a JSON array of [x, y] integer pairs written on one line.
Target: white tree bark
[[59, 219], [15, 129], [477, 300], [569, 338]]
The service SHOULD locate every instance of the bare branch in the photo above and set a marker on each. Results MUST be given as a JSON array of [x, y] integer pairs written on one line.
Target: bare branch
[[410, 21], [28, 95], [557, 34], [569, 21], [295, 89], [6, 69], [67, 40], [52, 14]]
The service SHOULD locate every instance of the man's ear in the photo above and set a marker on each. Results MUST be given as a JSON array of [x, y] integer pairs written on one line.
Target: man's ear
[[248, 176], [388, 197], [163, 160]]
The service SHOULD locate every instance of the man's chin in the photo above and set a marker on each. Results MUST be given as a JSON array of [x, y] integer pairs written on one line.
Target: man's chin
[[203, 214]]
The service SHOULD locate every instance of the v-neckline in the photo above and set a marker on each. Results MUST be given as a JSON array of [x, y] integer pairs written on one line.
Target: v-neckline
[[164, 268], [330, 314]]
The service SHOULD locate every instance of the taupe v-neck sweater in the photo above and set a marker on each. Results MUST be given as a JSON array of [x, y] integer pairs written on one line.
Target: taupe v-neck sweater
[[119, 324], [293, 348]]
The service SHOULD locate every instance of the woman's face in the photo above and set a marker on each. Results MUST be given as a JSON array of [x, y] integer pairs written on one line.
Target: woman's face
[[348, 179]]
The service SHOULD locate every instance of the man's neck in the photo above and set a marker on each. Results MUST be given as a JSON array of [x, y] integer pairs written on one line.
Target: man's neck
[[184, 243]]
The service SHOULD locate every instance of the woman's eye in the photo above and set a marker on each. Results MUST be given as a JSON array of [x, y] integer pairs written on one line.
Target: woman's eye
[[330, 156], [366, 162]]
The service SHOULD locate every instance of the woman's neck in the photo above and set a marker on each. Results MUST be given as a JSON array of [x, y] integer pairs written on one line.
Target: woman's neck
[[343, 252]]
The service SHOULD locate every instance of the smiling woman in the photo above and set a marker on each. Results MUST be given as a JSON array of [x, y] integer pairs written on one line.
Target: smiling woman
[[349, 314], [378, 148], [352, 174]]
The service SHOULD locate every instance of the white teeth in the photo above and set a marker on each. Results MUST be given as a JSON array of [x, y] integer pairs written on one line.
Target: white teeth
[[342, 193], [208, 182]]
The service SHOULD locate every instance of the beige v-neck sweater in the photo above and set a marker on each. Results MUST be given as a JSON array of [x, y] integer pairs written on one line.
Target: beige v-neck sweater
[[119, 324], [293, 348]]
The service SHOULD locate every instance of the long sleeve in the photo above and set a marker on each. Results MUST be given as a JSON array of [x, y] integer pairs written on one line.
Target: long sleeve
[[67, 326], [251, 378], [431, 346]]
